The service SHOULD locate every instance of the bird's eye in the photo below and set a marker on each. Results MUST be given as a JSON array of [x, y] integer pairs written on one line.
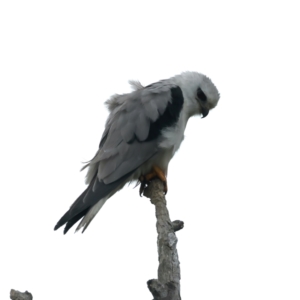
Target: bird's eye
[[200, 95]]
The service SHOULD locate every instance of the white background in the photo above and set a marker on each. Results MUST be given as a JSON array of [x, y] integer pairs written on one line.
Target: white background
[[234, 182]]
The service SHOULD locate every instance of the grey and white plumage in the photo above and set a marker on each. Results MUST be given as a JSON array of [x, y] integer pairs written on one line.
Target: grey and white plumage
[[144, 129]]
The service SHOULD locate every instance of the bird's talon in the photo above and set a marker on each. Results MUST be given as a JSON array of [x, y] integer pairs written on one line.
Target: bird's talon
[[155, 173], [165, 188], [142, 188]]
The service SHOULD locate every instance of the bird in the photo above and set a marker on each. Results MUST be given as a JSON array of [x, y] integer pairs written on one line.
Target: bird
[[143, 131]]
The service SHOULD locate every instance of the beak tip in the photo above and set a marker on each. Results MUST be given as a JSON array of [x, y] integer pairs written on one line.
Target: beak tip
[[204, 113]]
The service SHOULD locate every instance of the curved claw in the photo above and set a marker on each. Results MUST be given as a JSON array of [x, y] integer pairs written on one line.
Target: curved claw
[[165, 187], [142, 187]]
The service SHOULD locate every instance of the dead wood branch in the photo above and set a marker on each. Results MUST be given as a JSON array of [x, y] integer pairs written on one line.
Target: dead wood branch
[[16, 295], [167, 286]]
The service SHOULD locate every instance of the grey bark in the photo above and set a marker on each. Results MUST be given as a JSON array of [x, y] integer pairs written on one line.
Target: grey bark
[[167, 286], [16, 295], [177, 225]]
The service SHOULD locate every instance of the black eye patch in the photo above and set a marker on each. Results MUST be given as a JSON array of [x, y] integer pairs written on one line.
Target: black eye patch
[[201, 96]]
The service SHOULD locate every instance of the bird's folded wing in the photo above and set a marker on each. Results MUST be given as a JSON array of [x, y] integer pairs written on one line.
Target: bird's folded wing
[[133, 129]]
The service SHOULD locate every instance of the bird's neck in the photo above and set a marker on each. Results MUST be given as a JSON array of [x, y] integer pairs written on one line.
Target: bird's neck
[[189, 109]]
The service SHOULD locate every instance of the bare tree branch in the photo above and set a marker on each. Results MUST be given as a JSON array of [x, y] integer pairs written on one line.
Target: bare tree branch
[[167, 286], [16, 295], [177, 225]]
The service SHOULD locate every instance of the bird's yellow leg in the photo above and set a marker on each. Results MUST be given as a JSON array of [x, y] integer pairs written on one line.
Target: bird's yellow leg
[[155, 173]]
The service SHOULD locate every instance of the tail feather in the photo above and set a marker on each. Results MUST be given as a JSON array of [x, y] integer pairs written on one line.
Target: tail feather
[[89, 203], [68, 216], [91, 213], [74, 220]]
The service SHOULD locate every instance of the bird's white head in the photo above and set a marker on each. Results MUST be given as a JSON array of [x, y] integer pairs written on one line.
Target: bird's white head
[[200, 94]]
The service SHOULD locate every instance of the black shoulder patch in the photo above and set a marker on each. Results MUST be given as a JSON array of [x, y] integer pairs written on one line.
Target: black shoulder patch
[[169, 117]]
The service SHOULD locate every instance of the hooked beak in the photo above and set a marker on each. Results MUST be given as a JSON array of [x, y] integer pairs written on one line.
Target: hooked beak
[[204, 110]]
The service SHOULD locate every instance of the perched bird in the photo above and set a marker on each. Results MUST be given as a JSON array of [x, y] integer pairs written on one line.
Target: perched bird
[[143, 131]]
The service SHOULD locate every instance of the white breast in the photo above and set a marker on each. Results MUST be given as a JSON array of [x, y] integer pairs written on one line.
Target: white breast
[[173, 136]]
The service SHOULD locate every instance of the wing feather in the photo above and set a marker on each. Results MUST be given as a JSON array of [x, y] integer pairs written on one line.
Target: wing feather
[[142, 126], [127, 131]]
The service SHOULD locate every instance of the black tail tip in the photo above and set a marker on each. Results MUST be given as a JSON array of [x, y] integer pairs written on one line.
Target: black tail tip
[[57, 226]]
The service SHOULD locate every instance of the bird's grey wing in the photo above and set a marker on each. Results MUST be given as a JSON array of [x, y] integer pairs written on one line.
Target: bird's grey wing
[[133, 129]]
